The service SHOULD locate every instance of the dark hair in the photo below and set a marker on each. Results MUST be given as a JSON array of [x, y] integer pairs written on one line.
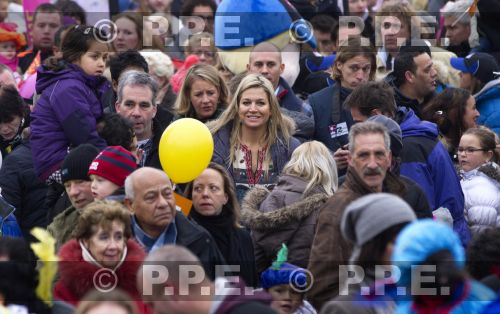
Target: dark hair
[[76, 43], [232, 205], [404, 61], [11, 104], [46, 8], [373, 251], [324, 23], [447, 110], [447, 274], [116, 130], [234, 82], [189, 5], [18, 275], [483, 253], [372, 95], [72, 9], [122, 61], [58, 36], [487, 140]]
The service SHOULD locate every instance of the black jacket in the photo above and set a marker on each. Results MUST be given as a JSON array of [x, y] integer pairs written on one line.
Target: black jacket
[[22, 188], [152, 157], [199, 242]]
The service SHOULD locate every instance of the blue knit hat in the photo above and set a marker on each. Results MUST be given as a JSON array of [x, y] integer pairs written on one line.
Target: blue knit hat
[[283, 273]]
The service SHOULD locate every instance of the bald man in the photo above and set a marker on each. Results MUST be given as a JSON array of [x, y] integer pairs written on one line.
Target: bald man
[[265, 59], [149, 195]]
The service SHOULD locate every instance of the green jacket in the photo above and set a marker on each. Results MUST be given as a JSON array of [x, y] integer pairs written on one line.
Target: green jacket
[[63, 225]]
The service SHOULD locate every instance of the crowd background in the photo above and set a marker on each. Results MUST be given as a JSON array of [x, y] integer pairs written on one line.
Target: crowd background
[[345, 132]]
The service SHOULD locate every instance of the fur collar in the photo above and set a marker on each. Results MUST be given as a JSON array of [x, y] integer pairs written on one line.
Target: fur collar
[[77, 275], [491, 170], [252, 217]]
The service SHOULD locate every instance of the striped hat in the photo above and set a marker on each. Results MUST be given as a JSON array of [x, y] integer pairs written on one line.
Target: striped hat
[[114, 163]]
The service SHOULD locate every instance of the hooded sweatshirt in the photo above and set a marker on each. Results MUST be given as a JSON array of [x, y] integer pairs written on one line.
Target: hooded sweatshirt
[[488, 105], [426, 161], [65, 115]]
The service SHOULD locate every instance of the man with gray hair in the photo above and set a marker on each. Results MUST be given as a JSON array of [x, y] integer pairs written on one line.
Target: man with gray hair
[[136, 102], [368, 172], [149, 195], [458, 26]]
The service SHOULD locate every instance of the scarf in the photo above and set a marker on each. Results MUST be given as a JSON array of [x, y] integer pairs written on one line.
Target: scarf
[[11, 63], [222, 229], [90, 259]]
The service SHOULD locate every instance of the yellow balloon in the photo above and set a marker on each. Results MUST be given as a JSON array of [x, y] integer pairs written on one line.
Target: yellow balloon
[[185, 149]]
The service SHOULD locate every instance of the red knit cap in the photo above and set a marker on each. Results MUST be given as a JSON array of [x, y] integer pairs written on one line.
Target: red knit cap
[[114, 163]]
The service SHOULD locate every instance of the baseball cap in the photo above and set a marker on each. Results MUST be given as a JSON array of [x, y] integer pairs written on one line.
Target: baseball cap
[[481, 65]]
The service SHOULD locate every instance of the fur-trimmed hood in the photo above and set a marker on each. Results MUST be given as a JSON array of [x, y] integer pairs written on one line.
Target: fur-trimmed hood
[[77, 275], [255, 219], [492, 171]]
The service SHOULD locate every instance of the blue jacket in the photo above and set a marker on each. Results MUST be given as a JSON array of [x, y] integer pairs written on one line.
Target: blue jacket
[[419, 240], [331, 122], [425, 160], [488, 105], [65, 115]]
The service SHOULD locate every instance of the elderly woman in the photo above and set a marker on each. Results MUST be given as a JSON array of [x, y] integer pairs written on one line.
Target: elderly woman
[[252, 139], [161, 69], [216, 208], [203, 95], [101, 245]]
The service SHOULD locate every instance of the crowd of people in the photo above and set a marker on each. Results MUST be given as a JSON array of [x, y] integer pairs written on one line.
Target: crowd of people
[[340, 172]]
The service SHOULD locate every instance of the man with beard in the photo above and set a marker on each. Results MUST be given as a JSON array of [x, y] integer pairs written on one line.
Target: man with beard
[[368, 172], [136, 102]]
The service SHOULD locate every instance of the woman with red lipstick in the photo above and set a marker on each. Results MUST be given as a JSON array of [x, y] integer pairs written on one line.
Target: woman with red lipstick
[[101, 253], [454, 111], [252, 139], [216, 208], [203, 95], [478, 158]]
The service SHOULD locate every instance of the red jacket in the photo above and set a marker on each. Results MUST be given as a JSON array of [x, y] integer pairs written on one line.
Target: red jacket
[[76, 276]]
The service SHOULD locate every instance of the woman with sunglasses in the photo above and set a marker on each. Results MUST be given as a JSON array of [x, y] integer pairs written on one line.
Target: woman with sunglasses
[[478, 158]]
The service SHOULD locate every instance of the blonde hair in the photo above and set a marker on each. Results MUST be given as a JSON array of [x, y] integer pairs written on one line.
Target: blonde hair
[[159, 63], [280, 127], [206, 73], [313, 162]]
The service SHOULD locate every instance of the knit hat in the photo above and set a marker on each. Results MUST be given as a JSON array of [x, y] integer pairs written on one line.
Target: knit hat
[[8, 32], [481, 65], [394, 132], [76, 165], [283, 273], [370, 215], [114, 163]]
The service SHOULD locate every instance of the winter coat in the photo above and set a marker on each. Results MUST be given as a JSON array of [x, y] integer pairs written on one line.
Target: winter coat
[[426, 161], [331, 122], [65, 115], [199, 242], [488, 105], [76, 276], [329, 248], [23, 189], [284, 215], [63, 225], [280, 151], [481, 187]]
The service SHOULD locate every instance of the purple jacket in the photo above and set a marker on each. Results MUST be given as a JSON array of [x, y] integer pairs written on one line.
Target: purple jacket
[[64, 116]]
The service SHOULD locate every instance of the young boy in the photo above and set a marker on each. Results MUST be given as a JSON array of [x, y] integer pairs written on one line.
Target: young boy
[[109, 170]]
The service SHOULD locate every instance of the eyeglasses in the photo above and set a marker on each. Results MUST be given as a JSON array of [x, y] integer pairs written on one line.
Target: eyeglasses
[[470, 150]]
